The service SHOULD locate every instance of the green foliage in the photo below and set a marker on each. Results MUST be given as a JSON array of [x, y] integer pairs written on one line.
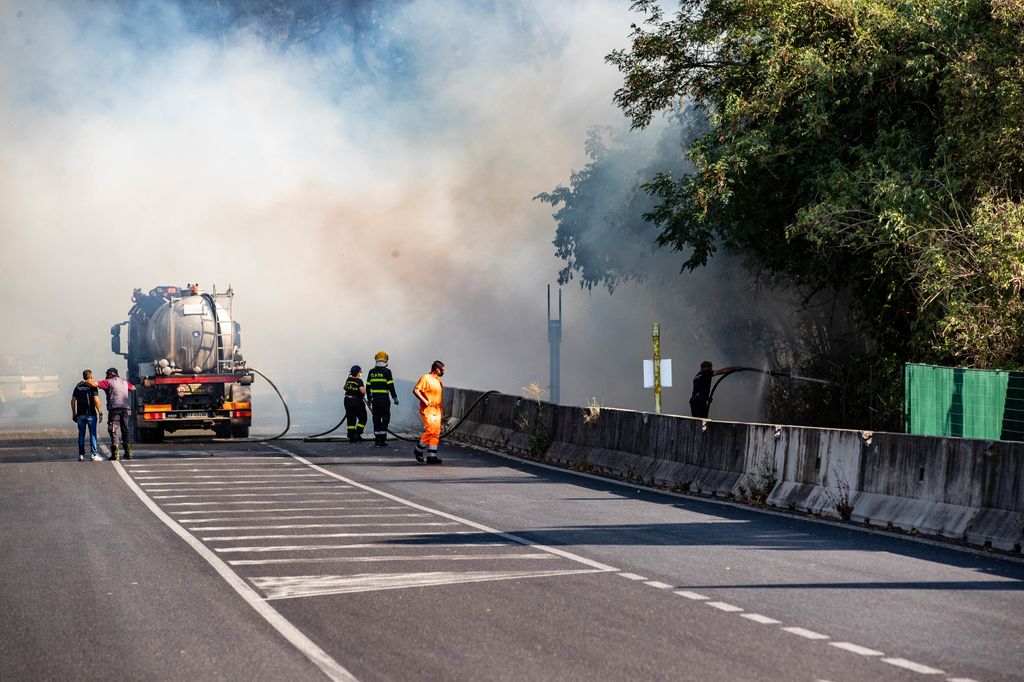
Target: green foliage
[[871, 146]]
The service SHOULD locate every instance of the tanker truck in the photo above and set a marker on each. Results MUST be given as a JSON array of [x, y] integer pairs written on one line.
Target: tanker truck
[[184, 359]]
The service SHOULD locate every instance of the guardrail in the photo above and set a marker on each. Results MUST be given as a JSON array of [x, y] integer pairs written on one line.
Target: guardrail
[[970, 490]]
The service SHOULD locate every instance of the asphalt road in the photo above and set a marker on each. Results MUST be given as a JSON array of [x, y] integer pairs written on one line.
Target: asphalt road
[[303, 561]]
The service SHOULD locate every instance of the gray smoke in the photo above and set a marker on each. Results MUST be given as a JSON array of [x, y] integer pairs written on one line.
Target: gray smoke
[[360, 173]]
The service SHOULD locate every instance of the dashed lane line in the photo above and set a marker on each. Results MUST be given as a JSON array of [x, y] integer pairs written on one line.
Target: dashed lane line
[[911, 665], [330, 667], [758, 618], [632, 576], [207, 504], [856, 649], [723, 606], [805, 633], [658, 584], [690, 595]]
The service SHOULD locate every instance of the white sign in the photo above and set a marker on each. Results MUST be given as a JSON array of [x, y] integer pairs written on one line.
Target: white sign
[[666, 373]]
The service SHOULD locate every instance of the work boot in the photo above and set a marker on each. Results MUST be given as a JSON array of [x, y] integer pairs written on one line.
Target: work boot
[[434, 459], [127, 451], [113, 453], [418, 454]]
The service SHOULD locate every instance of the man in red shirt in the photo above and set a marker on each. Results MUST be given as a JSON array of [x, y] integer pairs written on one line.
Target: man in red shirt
[[119, 408]]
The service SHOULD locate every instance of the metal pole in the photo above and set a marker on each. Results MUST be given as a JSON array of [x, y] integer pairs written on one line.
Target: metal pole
[[554, 357], [656, 338]]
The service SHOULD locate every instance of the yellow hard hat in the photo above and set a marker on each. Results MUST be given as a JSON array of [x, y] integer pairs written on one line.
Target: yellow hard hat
[[380, 356]]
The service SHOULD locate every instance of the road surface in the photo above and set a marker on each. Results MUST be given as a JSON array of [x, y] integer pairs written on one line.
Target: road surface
[[308, 561]]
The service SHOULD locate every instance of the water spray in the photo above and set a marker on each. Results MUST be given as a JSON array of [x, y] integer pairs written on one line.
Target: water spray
[[778, 373]]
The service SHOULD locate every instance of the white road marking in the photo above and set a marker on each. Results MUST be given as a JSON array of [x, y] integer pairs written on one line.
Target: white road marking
[[202, 504], [960, 679], [203, 491], [339, 492], [758, 618], [809, 634], [303, 525], [472, 524], [244, 482], [284, 466], [633, 576], [856, 648], [722, 606], [331, 668], [151, 480], [287, 536], [659, 585], [691, 595], [206, 458], [393, 557], [910, 665], [358, 545], [362, 507], [293, 586]]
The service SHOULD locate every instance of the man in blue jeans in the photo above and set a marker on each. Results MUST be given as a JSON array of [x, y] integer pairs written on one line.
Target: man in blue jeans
[[86, 412]]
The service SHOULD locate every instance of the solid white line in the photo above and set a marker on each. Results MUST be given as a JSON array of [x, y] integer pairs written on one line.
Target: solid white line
[[856, 648], [296, 525], [659, 585], [331, 668], [808, 634], [358, 545], [204, 504], [244, 482], [394, 557], [191, 461], [722, 606], [691, 595], [284, 466], [311, 486], [287, 536], [960, 679], [632, 576], [758, 618], [910, 665], [472, 524], [340, 492], [152, 480], [289, 509]]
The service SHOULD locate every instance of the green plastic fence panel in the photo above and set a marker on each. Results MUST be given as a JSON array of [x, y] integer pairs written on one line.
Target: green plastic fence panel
[[967, 403]]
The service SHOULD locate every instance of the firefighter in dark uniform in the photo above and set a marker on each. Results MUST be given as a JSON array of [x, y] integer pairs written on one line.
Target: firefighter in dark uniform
[[700, 400], [355, 408], [380, 393]]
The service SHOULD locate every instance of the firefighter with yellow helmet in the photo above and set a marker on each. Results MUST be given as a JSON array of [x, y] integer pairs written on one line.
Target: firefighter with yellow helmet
[[380, 391]]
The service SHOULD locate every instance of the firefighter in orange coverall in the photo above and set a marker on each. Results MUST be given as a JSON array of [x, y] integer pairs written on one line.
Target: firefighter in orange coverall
[[428, 391]]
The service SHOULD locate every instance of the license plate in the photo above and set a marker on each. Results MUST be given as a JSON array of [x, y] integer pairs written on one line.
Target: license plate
[[195, 415]]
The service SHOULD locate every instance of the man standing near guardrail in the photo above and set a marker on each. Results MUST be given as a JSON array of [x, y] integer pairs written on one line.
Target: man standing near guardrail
[[700, 400], [428, 391]]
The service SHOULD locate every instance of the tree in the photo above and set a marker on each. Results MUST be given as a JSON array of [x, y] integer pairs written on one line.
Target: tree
[[873, 146]]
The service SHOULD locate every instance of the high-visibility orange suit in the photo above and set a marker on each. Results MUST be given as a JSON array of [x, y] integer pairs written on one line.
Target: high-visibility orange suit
[[430, 386]]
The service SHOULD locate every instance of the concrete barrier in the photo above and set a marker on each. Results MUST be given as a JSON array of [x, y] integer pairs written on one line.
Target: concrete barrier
[[969, 490]]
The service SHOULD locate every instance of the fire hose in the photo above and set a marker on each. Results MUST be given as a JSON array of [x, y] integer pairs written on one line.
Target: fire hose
[[444, 434], [786, 374]]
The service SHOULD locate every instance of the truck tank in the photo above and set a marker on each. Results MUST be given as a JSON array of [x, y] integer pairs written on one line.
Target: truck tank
[[184, 358]]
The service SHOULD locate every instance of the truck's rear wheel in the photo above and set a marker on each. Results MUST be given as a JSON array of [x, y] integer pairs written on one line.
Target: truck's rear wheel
[[239, 431], [222, 431]]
